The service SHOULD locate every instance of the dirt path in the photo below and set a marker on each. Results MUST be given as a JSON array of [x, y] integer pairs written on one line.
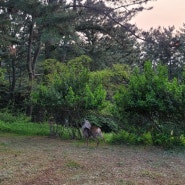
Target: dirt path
[[44, 161]]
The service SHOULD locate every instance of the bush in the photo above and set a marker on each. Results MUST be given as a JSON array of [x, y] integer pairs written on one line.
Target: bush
[[122, 137], [150, 98], [168, 140], [69, 89], [146, 138], [8, 117]]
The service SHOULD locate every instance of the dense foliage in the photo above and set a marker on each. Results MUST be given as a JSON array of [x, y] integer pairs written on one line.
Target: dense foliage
[[63, 61], [69, 90], [150, 100]]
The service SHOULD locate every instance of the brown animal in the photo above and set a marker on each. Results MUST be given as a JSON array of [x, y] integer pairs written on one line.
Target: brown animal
[[89, 131]]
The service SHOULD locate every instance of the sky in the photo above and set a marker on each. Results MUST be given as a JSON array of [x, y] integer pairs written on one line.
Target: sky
[[164, 13]]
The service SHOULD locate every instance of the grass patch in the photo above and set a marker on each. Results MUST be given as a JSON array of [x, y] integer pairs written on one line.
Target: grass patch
[[22, 128], [150, 174], [21, 125]]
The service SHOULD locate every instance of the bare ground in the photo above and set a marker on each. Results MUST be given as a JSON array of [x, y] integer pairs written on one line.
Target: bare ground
[[45, 161]]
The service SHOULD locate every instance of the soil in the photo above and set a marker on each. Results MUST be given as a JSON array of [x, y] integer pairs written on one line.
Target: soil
[[44, 161]]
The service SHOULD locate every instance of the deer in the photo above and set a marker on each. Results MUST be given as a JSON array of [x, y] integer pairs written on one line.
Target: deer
[[89, 131]]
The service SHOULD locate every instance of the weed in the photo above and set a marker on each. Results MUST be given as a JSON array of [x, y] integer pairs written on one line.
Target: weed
[[73, 164]]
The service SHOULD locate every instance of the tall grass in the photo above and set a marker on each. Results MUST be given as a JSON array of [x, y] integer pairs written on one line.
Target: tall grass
[[23, 128], [22, 125]]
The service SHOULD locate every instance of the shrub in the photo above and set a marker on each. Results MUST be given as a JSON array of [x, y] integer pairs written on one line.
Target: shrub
[[150, 99], [8, 117], [69, 90], [147, 138], [122, 137]]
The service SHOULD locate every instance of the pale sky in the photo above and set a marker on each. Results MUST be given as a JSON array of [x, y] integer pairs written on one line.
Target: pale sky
[[164, 13]]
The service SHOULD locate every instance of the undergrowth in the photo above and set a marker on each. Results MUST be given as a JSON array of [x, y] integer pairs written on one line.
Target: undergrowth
[[166, 140], [21, 125]]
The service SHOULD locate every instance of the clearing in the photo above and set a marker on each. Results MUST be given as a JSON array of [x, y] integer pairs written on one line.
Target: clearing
[[44, 161]]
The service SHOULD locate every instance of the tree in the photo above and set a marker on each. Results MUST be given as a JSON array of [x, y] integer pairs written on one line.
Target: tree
[[41, 30], [164, 46], [11, 23], [106, 35], [31, 24], [67, 91], [3, 88]]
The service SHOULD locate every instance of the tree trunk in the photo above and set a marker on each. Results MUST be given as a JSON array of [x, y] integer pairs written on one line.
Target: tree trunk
[[74, 5], [36, 54], [13, 81], [30, 69]]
